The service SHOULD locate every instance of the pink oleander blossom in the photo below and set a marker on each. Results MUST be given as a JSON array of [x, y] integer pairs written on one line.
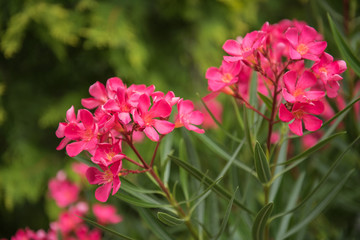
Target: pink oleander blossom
[[243, 48], [328, 71], [84, 233], [84, 134], [106, 214], [146, 117], [187, 117], [60, 132], [108, 179], [304, 44], [98, 91], [106, 153], [302, 112], [63, 191], [226, 75], [169, 97], [296, 89]]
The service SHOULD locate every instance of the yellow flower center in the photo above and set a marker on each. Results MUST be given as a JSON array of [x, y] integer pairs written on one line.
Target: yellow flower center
[[302, 49], [227, 77]]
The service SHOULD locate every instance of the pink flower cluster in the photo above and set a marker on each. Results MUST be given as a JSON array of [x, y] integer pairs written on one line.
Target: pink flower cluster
[[70, 225], [120, 114], [279, 53]]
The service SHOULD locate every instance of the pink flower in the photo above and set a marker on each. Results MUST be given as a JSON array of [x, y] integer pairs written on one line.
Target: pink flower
[[328, 71], [83, 233], [226, 75], [106, 153], [106, 214], [109, 179], [169, 97], [296, 89], [68, 221], [60, 132], [84, 134], [187, 116], [98, 91], [63, 191], [303, 43], [243, 48], [79, 168], [302, 112], [145, 117]]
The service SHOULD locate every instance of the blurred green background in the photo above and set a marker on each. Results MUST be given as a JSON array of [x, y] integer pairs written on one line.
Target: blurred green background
[[53, 50]]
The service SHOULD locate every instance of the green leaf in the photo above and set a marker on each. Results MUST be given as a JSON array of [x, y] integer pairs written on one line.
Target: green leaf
[[266, 100], [320, 207], [260, 221], [261, 164], [226, 216], [120, 236], [183, 174], [311, 150], [222, 153], [208, 182], [291, 201], [344, 48], [169, 219], [140, 203], [322, 181], [153, 224]]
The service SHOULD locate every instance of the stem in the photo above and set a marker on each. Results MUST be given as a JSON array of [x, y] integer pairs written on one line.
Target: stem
[[133, 161], [155, 151], [248, 105], [168, 195]]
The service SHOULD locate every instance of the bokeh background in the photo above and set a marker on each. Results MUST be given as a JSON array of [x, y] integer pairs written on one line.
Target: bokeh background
[[51, 51]]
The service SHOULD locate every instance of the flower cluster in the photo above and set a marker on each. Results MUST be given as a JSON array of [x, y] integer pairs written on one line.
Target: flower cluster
[[279, 54], [69, 224], [120, 114]]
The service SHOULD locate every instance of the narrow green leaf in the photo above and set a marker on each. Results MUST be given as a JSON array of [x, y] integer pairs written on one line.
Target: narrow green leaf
[[221, 153], [260, 221], [218, 123], [208, 182], [106, 229], [261, 164], [322, 181], [293, 197], [320, 207], [266, 100], [153, 224], [311, 150], [237, 114], [140, 203], [183, 174], [226, 216], [344, 48], [247, 128], [169, 219]]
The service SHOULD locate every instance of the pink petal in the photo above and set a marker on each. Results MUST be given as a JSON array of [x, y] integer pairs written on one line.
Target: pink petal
[[102, 193], [112, 105], [294, 54], [163, 127], [287, 96], [194, 128], [290, 80], [314, 95], [116, 185], [161, 109], [296, 127], [91, 175], [216, 85], [116, 167], [316, 107], [311, 123], [213, 73], [143, 103], [97, 90], [284, 114], [60, 130], [86, 118], [63, 143], [317, 48], [75, 148], [70, 114], [73, 131], [232, 47], [308, 34], [185, 107], [196, 117], [151, 134], [90, 103], [292, 36], [306, 80]]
